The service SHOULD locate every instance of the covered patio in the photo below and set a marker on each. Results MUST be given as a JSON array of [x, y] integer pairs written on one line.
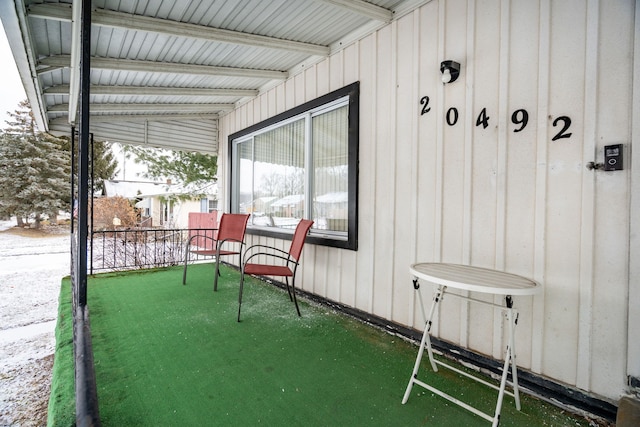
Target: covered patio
[[502, 164]]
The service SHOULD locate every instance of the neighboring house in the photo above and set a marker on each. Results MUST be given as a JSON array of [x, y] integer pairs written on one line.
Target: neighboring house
[[161, 203]]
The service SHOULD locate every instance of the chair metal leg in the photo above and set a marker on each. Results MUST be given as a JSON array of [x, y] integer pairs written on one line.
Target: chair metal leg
[[293, 291], [184, 272], [215, 280], [240, 294], [217, 273], [286, 281]]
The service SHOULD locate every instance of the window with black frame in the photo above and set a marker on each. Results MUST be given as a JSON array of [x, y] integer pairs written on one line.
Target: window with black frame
[[301, 164]]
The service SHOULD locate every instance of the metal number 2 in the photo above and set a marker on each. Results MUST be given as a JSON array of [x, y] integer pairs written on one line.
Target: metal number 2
[[424, 101], [563, 132]]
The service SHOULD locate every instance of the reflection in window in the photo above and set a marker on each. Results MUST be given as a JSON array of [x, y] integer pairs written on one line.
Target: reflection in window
[[272, 176]]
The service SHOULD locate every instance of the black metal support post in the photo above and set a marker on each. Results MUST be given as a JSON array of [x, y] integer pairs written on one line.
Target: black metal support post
[[87, 413]]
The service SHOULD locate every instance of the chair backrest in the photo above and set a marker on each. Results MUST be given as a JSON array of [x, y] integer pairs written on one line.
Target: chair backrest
[[298, 238], [232, 226]]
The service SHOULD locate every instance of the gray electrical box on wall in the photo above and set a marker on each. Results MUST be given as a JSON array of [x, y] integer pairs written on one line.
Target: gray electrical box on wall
[[613, 157]]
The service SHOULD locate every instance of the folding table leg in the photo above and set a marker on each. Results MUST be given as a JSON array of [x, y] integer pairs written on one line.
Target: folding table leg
[[426, 341], [512, 320], [509, 361], [514, 369]]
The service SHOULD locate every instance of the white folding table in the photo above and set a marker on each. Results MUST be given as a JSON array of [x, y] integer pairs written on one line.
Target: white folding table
[[473, 279]]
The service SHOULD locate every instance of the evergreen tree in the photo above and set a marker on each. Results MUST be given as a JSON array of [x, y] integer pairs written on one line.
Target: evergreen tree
[[38, 183], [35, 168], [22, 120], [104, 164], [12, 174], [34, 173]]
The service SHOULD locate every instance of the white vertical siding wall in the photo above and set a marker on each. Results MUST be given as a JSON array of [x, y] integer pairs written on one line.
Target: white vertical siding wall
[[491, 197]]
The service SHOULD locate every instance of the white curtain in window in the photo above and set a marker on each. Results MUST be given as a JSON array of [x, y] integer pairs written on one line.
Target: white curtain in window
[[330, 169]]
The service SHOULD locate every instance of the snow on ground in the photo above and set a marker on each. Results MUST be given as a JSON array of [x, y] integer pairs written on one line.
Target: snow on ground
[[32, 264]]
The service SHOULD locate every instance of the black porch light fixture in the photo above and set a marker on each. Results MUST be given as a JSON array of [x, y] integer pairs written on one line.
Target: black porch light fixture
[[450, 71]]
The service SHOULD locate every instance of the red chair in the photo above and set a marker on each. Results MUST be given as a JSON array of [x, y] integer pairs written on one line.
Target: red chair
[[229, 240], [285, 263]]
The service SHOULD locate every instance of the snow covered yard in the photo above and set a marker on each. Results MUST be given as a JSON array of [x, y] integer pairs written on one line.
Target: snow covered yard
[[32, 264]]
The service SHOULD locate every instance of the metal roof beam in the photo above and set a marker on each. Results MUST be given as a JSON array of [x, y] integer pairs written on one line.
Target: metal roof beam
[[364, 8], [153, 91], [76, 54], [167, 67], [108, 18], [16, 27], [46, 69], [141, 117], [147, 107]]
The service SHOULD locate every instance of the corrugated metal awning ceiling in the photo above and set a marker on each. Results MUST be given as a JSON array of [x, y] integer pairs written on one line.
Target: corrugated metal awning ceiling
[[163, 71]]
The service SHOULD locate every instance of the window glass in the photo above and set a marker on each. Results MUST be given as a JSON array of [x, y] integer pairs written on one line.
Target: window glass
[[279, 176], [301, 164], [330, 168], [243, 158]]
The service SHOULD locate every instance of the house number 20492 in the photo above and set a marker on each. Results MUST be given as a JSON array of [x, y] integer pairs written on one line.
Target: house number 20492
[[519, 118]]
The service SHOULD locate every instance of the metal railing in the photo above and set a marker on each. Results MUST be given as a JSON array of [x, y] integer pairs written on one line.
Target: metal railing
[[130, 249]]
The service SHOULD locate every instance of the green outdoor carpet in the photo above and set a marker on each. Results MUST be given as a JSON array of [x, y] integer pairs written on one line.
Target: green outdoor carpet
[[173, 355]]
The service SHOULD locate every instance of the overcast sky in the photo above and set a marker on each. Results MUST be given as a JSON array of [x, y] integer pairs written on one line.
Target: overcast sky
[[11, 89]]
